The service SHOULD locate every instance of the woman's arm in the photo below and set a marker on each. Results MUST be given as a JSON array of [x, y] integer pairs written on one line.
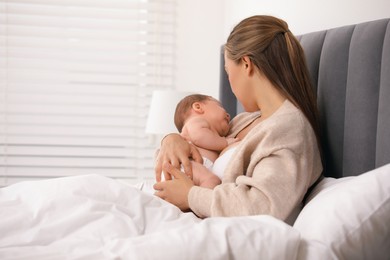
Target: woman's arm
[[270, 172], [177, 152], [275, 187]]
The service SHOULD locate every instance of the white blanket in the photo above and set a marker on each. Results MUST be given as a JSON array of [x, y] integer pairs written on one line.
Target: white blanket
[[94, 217]]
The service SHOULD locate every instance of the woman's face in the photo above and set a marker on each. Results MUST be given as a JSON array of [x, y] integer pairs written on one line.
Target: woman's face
[[237, 81]]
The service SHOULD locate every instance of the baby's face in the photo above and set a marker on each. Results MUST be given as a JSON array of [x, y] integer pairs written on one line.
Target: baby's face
[[218, 117]]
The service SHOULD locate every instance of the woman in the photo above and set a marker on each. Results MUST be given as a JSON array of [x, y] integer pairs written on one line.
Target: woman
[[278, 157]]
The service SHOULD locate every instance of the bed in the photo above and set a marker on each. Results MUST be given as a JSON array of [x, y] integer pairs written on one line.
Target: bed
[[346, 216]]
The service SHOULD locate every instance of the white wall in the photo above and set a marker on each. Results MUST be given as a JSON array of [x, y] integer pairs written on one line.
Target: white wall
[[200, 35], [307, 15], [204, 25]]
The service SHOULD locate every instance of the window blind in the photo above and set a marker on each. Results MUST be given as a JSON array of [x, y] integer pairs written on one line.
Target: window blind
[[76, 80]]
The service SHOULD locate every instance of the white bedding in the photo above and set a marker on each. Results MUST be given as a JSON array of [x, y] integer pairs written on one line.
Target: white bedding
[[94, 217]]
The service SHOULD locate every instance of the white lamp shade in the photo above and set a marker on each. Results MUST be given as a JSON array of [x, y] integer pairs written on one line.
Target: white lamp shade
[[161, 112]]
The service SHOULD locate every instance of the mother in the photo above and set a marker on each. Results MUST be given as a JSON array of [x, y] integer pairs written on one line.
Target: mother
[[278, 158]]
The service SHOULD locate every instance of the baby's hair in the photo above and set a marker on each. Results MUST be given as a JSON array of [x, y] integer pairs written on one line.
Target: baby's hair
[[185, 105]]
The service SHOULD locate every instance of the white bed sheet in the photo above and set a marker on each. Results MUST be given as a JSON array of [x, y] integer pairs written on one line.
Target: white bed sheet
[[94, 217]]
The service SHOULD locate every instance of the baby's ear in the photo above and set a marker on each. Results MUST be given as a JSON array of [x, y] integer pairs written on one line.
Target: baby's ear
[[197, 107]]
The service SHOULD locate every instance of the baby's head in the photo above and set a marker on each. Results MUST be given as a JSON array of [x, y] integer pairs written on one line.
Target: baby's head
[[183, 108]]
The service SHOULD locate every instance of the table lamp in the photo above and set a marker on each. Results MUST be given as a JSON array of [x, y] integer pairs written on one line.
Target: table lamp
[[162, 108]]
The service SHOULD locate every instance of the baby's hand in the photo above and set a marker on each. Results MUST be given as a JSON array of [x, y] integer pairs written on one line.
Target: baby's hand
[[231, 140]]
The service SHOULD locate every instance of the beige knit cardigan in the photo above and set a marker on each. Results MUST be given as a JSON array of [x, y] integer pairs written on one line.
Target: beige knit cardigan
[[270, 170]]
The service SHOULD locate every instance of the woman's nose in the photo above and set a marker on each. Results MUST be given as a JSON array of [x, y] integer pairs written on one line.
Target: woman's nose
[[228, 116]]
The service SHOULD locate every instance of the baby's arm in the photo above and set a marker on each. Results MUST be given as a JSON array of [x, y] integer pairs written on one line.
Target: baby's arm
[[200, 134]]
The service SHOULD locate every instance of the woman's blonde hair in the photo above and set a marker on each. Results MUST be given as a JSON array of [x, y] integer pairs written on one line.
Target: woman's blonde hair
[[276, 53]]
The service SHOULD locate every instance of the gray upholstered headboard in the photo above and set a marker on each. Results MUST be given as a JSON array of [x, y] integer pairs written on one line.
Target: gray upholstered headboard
[[350, 69]]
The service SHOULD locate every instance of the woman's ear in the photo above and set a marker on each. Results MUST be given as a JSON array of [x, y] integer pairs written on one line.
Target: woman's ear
[[248, 65], [197, 107]]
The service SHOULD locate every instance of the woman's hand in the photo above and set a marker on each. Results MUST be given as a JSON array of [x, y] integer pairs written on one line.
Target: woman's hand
[[177, 152], [176, 190]]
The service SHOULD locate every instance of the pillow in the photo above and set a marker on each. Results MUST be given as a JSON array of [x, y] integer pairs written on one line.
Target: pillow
[[350, 216]]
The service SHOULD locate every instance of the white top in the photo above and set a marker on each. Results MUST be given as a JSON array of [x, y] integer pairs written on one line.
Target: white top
[[222, 161]]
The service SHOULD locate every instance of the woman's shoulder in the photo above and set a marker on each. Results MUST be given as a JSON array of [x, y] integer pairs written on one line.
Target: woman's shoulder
[[287, 121], [287, 117], [287, 108]]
